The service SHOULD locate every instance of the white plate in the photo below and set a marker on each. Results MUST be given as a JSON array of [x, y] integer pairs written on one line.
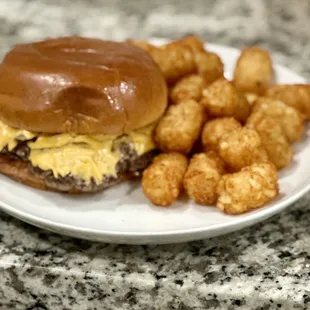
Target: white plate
[[123, 215]]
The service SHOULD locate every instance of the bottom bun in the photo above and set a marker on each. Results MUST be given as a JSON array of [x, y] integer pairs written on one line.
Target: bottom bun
[[18, 170]]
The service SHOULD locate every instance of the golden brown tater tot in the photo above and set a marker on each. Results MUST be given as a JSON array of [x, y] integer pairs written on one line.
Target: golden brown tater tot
[[142, 44], [202, 176], [248, 189], [214, 130], [209, 66], [162, 180], [216, 161], [193, 42], [242, 148], [254, 71], [296, 96], [189, 87], [291, 120], [221, 99], [273, 139], [175, 61], [251, 98], [180, 127]]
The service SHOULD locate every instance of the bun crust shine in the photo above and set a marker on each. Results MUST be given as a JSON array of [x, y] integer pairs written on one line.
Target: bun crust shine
[[80, 85]]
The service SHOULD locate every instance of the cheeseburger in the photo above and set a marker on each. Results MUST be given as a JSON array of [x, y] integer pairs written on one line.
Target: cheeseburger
[[77, 114]]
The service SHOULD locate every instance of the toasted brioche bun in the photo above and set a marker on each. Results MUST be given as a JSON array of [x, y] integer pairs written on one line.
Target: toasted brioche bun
[[80, 85], [18, 170]]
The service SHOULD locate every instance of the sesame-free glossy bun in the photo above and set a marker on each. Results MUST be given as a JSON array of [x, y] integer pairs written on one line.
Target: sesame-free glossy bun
[[80, 85]]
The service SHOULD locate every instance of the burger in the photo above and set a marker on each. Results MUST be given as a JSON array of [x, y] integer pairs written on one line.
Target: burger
[[77, 114]]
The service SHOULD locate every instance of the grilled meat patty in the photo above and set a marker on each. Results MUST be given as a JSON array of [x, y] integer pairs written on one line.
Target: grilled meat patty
[[129, 165]]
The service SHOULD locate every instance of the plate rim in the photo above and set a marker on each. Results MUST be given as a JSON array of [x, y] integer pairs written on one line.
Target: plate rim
[[175, 235]]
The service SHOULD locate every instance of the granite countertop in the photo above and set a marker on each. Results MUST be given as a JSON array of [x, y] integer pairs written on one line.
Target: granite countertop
[[264, 267]]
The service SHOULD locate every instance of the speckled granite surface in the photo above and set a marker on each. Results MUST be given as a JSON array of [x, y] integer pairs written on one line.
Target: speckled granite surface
[[264, 267]]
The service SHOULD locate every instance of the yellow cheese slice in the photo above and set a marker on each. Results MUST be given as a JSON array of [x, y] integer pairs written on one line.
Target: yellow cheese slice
[[9, 136], [84, 156]]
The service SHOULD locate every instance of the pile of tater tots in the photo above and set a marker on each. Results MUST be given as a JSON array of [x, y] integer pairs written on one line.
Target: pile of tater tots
[[222, 141]]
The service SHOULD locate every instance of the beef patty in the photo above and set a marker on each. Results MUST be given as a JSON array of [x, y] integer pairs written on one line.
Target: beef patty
[[130, 165]]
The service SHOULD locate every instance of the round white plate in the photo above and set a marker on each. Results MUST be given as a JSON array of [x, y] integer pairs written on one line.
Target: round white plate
[[123, 215]]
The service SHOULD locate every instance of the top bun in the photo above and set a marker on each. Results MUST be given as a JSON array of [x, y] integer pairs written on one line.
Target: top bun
[[80, 85]]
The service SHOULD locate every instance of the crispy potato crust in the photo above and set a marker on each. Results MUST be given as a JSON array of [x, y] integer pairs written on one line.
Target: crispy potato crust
[[222, 99], [189, 87], [254, 71], [214, 130], [202, 177], [162, 180], [209, 66], [248, 189], [180, 127], [274, 140], [242, 148], [296, 96], [291, 119]]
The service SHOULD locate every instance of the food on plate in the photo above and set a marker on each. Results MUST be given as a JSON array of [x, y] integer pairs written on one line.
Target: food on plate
[[221, 99], [79, 115], [192, 42], [76, 115], [250, 188], [202, 176], [162, 180], [180, 127], [273, 139], [142, 44], [188, 87], [182, 57], [209, 66], [290, 119], [247, 158], [175, 61], [296, 96], [214, 130], [241, 148], [251, 98], [254, 71]]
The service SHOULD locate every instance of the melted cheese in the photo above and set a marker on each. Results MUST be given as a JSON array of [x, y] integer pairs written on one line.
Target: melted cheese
[[143, 139], [83, 156], [80, 161], [61, 140], [9, 136]]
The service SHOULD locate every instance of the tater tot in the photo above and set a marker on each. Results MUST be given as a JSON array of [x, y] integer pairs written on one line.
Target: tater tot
[[180, 127], [214, 130], [189, 87], [273, 139], [202, 176], [193, 42], [175, 61], [216, 161], [209, 66], [162, 180], [296, 96], [248, 189], [242, 148], [291, 120], [253, 72], [221, 99], [251, 98], [142, 44]]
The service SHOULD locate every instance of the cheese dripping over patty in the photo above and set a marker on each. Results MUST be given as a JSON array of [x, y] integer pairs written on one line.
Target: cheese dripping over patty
[[89, 157]]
